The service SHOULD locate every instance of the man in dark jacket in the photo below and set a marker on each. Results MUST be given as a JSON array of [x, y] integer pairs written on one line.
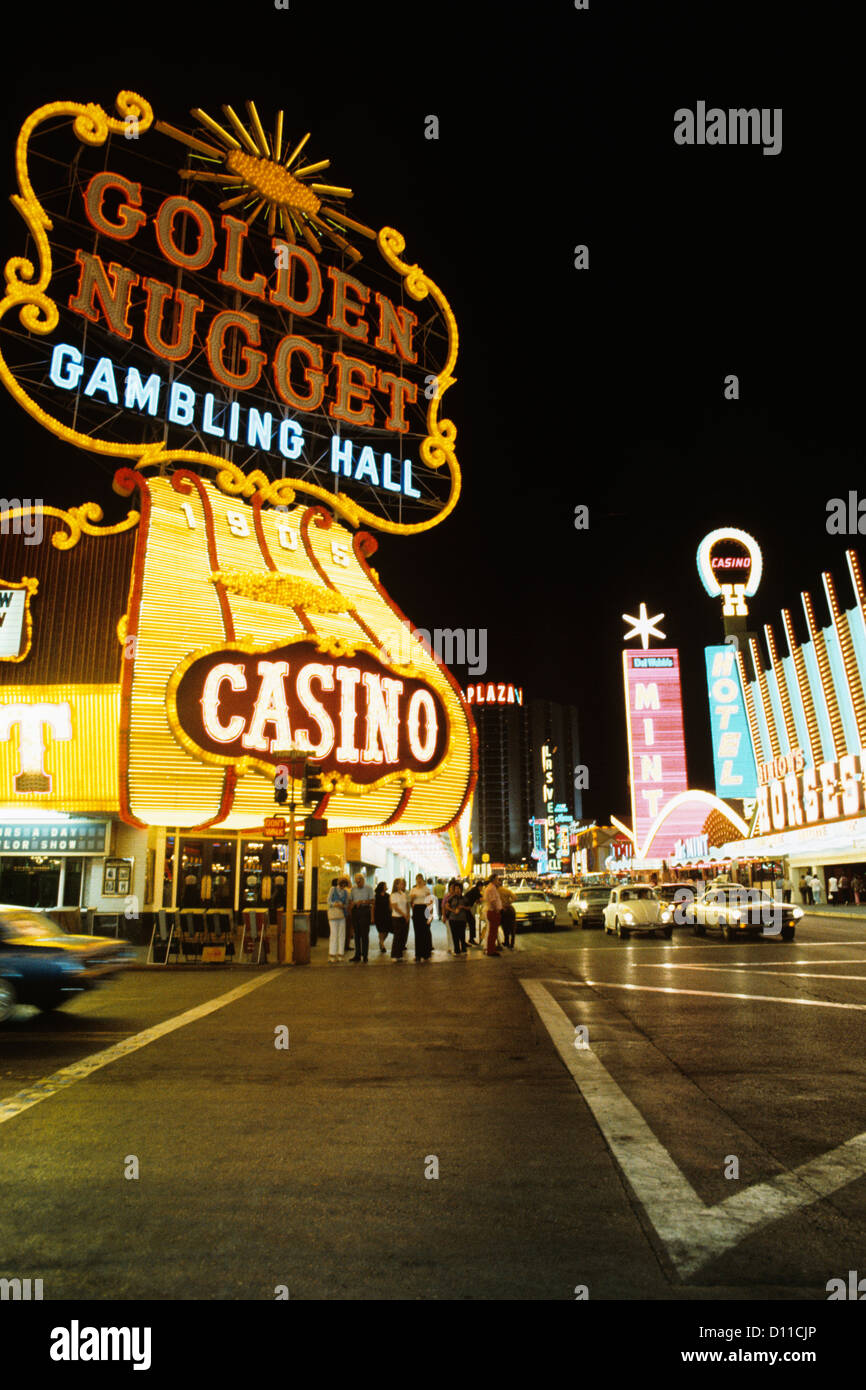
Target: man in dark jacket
[[470, 900]]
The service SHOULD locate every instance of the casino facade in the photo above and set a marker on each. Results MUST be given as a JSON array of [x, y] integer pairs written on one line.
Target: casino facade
[[806, 714], [263, 410]]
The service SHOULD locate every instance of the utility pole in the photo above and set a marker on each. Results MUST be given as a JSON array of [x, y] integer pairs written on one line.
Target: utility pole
[[284, 789]]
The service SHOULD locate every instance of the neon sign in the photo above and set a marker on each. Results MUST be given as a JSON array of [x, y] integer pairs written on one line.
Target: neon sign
[[494, 694], [656, 740], [834, 790], [733, 754], [239, 706], [735, 555], [231, 316], [32, 720]]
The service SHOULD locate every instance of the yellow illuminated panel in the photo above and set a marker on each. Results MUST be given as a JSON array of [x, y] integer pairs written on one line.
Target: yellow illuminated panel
[[199, 532], [59, 747]]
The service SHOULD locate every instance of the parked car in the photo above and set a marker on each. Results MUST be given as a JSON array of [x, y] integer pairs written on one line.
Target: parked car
[[44, 965], [737, 911], [586, 906], [533, 908], [634, 907]]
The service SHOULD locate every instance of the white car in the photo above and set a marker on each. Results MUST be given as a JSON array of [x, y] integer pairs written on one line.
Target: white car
[[586, 906], [561, 888], [532, 908], [635, 908], [737, 911]]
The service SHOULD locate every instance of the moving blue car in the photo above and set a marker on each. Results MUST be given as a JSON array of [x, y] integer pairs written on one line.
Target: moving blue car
[[41, 964]]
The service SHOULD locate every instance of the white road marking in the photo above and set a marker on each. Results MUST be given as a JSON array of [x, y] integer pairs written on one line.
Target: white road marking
[[837, 945], [762, 970], [726, 994], [67, 1076], [746, 964], [691, 1232]]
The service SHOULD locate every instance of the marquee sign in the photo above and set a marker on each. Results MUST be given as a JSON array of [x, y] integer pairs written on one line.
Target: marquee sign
[[795, 796], [287, 639], [223, 315], [239, 706], [16, 623], [730, 565]]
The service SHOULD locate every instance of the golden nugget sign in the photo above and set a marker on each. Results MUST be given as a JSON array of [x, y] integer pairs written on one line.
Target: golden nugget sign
[[351, 716], [227, 328]]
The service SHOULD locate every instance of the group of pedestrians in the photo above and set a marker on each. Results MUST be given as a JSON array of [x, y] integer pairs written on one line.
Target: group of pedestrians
[[843, 889], [352, 910], [811, 890]]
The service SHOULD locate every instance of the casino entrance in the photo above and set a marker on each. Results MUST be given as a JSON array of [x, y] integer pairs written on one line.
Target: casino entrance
[[231, 873]]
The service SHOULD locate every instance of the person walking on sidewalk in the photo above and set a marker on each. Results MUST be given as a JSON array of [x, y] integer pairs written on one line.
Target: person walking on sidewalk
[[399, 918], [421, 903], [493, 903], [439, 891], [832, 888], [856, 886], [382, 916], [362, 912], [338, 907], [817, 890], [509, 916], [455, 915]]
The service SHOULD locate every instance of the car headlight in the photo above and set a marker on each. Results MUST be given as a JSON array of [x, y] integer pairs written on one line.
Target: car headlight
[[666, 916], [798, 912], [582, 905], [628, 916]]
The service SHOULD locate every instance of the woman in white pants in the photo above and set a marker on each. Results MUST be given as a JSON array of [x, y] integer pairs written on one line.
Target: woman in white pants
[[338, 906]]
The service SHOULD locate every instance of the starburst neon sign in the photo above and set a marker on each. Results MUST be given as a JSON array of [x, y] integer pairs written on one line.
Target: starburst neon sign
[[643, 626]]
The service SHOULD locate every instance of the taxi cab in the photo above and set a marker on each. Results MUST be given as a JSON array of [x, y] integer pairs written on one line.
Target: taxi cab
[[43, 965]]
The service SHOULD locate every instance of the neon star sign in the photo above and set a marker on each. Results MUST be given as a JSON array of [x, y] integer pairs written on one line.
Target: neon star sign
[[643, 627]]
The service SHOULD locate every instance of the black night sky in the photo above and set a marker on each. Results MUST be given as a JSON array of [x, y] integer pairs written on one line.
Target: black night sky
[[601, 387]]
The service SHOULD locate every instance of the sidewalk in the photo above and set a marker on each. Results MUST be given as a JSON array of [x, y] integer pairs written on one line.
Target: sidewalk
[[855, 911], [318, 954]]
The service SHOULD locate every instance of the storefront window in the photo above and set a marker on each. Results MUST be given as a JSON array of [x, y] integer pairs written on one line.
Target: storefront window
[[31, 881]]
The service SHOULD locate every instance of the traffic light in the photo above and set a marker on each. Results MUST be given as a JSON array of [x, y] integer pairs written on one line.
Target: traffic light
[[312, 785], [313, 827]]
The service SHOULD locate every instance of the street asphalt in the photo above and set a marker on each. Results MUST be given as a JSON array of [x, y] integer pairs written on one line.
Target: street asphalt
[[431, 1131]]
